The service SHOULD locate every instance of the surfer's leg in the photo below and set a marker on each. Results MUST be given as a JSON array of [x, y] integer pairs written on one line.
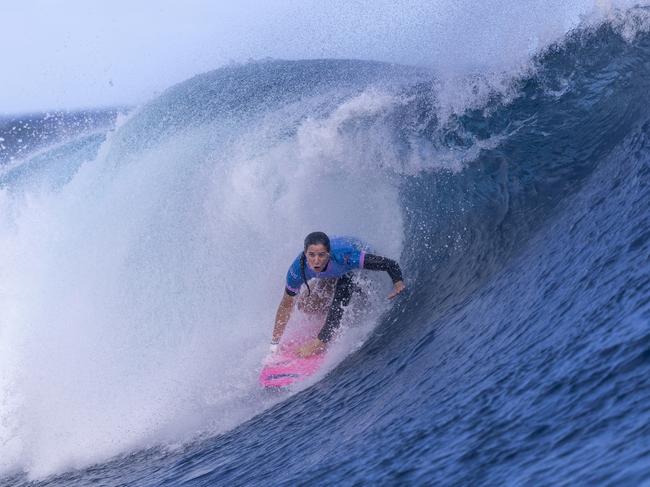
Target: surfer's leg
[[342, 295]]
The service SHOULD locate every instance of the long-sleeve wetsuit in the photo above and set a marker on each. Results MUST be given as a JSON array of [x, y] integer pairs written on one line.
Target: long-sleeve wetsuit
[[346, 255]]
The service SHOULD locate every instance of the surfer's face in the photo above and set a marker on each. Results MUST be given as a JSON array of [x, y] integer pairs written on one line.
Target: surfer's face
[[317, 257]]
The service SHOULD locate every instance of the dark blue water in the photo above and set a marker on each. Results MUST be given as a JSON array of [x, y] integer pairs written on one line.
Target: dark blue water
[[521, 353]]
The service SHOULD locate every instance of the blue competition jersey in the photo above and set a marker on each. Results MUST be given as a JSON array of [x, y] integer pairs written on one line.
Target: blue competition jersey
[[346, 254]]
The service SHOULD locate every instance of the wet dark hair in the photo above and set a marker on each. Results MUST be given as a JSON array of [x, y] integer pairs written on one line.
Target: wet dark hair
[[314, 238]]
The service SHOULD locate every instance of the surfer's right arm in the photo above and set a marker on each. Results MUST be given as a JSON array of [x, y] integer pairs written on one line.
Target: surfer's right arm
[[291, 290], [281, 319]]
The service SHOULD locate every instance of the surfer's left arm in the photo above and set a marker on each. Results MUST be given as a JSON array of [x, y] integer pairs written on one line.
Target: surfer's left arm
[[379, 263]]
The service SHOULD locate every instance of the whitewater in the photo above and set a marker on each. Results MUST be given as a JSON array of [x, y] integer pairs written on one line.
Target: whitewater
[[143, 253]]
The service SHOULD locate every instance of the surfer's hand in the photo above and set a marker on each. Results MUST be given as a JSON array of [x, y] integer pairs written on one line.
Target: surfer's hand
[[273, 348], [311, 348], [398, 288]]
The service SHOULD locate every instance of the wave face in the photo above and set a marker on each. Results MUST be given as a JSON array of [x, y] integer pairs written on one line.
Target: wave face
[[138, 291]]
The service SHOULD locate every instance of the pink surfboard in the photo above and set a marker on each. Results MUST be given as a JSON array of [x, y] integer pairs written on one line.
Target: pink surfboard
[[286, 367]]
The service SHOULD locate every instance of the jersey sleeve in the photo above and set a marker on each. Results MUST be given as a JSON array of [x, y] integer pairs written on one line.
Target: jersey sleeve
[[352, 252], [354, 258], [294, 278]]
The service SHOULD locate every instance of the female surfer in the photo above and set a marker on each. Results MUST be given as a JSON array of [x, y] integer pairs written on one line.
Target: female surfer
[[325, 259]]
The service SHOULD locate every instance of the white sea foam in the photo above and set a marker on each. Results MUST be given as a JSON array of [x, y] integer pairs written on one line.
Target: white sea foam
[[138, 300]]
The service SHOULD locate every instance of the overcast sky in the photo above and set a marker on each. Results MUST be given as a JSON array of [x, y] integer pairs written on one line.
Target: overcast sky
[[90, 53]]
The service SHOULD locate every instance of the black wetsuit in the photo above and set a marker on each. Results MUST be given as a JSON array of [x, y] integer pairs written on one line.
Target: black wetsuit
[[345, 287]]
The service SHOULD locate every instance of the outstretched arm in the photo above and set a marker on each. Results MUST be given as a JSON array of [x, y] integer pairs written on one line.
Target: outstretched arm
[[281, 319], [398, 287], [379, 263]]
